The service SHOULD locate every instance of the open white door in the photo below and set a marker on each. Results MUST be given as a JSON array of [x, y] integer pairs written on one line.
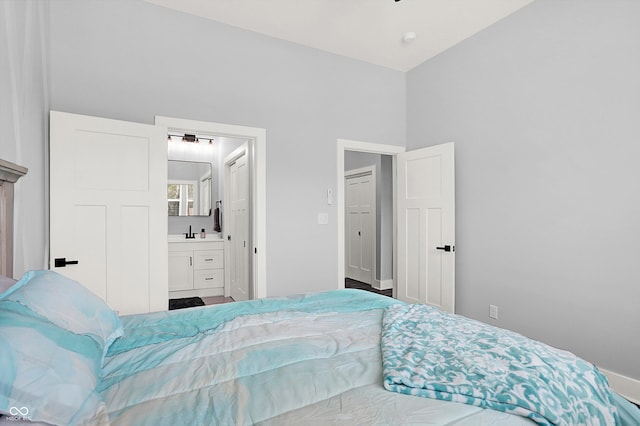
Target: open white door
[[109, 209], [425, 218], [237, 227]]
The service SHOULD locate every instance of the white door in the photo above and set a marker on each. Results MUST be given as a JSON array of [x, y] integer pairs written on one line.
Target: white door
[[237, 230], [425, 219], [360, 223], [109, 209]]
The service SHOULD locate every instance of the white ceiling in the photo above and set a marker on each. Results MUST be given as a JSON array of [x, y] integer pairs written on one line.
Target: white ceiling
[[369, 30]]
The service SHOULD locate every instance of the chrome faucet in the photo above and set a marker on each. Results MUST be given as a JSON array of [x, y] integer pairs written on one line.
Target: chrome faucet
[[190, 235]]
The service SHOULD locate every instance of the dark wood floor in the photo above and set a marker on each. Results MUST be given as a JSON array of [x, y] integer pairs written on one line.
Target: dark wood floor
[[349, 283]]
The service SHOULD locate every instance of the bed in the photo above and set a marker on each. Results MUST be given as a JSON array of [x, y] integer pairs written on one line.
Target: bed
[[337, 357]]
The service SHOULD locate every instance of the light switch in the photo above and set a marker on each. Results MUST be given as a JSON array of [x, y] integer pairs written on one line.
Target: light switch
[[329, 196], [323, 218]]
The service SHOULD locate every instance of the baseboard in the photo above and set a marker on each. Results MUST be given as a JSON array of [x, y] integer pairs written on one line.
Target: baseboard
[[625, 386], [382, 284]]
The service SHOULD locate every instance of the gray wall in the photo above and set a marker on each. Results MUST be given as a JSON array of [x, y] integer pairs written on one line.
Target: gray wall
[[132, 60], [24, 109], [384, 206], [543, 108]]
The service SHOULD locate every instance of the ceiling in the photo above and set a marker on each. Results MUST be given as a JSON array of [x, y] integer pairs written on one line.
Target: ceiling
[[368, 30]]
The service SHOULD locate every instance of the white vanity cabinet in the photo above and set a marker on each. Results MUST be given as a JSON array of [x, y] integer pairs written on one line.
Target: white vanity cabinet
[[196, 268]]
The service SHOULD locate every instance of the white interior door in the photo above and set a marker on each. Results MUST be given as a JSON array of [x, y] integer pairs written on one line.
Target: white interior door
[[237, 251], [360, 222], [109, 209], [425, 219]]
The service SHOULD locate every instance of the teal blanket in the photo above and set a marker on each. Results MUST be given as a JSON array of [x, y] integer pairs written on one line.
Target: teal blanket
[[242, 363], [433, 354]]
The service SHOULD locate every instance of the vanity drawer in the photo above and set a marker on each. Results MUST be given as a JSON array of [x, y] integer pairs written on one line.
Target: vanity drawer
[[208, 278], [208, 259]]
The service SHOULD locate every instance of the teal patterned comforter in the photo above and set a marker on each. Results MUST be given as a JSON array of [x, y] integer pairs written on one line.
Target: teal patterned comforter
[[434, 354]]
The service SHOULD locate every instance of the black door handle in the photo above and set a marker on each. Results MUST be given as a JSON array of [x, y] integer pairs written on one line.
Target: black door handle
[[61, 262], [447, 248]]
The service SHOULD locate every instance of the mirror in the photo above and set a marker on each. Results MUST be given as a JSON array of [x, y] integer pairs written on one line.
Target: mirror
[[189, 188]]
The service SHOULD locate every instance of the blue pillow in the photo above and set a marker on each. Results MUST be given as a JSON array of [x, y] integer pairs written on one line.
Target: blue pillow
[[67, 304], [49, 373]]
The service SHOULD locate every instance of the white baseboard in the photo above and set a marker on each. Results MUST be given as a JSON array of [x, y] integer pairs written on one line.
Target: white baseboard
[[386, 284], [625, 386], [382, 284]]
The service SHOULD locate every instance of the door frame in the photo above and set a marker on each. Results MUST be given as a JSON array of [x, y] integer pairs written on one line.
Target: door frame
[[355, 173], [257, 138], [373, 148]]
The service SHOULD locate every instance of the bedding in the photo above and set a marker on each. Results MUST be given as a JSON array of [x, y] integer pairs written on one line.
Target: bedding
[[54, 334], [242, 363], [48, 373], [430, 353], [312, 358], [67, 304], [275, 361]]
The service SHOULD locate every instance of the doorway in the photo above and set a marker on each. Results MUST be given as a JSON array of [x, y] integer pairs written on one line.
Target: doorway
[[255, 266], [423, 221], [353, 148]]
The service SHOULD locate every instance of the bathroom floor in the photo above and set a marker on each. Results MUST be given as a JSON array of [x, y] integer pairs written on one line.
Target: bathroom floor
[[216, 300]]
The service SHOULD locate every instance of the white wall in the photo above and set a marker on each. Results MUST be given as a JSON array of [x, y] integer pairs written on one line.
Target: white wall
[[24, 99], [133, 60], [543, 108]]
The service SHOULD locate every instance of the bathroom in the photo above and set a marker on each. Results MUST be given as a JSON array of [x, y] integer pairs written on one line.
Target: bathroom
[[201, 258], [199, 160]]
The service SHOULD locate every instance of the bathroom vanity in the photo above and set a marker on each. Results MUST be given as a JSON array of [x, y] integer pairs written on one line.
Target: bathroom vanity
[[196, 266]]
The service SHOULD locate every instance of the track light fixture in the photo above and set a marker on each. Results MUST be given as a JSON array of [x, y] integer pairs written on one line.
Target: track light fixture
[[189, 137]]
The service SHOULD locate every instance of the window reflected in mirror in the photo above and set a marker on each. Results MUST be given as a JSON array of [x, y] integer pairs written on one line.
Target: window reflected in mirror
[[189, 188]]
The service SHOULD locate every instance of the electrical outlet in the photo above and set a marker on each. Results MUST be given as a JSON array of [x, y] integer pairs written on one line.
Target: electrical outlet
[[493, 311]]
